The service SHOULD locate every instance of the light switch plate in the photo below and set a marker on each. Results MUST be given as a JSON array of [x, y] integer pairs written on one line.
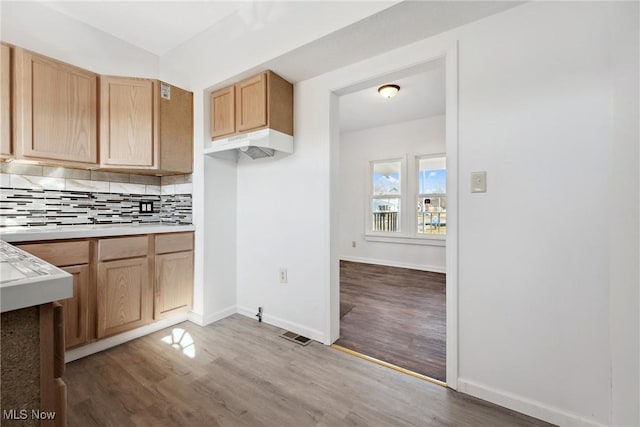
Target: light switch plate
[[479, 182]]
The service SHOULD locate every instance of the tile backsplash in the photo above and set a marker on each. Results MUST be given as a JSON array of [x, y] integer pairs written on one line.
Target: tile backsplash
[[34, 195]]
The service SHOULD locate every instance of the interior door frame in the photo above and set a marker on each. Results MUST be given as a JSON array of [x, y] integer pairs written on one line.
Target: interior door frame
[[450, 55]]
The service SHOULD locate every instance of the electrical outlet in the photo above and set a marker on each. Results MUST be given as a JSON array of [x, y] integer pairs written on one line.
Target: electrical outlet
[[146, 206], [353, 243], [283, 275]]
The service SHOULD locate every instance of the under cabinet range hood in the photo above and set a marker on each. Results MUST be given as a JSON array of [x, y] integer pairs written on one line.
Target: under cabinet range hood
[[256, 145]]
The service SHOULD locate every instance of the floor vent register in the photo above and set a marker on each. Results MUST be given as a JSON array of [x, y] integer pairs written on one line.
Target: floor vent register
[[292, 336]]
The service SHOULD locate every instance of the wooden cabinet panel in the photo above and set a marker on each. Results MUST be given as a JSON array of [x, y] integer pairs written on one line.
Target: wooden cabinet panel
[[176, 130], [123, 247], [251, 103], [5, 100], [262, 101], [173, 284], [60, 254], [223, 117], [56, 110], [73, 257], [128, 122], [124, 297], [279, 103], [174, 242], [76, 308]]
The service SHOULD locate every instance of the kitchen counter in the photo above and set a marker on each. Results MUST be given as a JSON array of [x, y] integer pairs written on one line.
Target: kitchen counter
[[31, 234], [27, 281]]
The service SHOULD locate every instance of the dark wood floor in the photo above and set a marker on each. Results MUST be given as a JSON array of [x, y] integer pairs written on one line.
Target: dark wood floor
[[394, 314], [244, 374]]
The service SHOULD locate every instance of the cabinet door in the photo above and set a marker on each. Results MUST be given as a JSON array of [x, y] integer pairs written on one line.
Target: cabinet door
[[76, 308], [56, 108], [223, 113], [176, 130], [174, 284], [128, 122], [5, 100], [251, 103], [124, 297]]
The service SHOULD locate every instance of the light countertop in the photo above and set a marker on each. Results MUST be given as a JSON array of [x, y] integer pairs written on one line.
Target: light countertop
[[31, 234], [27, 281]]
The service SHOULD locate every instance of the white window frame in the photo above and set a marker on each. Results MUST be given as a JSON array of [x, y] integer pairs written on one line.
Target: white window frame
[[370, 197], [425, 195], [407, 218]]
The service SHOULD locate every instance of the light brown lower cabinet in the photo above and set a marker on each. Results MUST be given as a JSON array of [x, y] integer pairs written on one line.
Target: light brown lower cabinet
[[124, 296], [72, 257], [76, 308], [121, 283], [174, 284]]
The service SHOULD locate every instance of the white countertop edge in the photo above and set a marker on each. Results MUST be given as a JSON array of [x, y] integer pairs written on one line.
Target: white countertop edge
[[31, 292], [32, 234]]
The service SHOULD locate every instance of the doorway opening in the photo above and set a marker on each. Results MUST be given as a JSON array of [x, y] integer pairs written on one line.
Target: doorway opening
[[393, 220]]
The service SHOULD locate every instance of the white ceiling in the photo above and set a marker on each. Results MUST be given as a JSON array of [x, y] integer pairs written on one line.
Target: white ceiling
[[161, 26], [157, 26], [421, 95]]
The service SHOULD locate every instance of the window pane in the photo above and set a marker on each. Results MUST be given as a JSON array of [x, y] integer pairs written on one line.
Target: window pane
[[432, 215], [432, 175], [386, 178], [385, 214]]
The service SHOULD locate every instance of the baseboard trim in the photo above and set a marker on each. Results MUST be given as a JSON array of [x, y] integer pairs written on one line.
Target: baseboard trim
[[284, 324], [219, 315], [115, 340], [422, 267], [525, 406]]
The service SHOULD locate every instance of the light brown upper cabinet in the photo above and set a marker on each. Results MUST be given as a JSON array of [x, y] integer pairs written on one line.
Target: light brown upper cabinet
[[261, 101], [55, 110], [223, 105], [5, 100], [145, 125], [128, 122]]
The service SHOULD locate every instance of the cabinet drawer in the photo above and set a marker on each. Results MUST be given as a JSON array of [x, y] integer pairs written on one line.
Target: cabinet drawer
[[123, 247], [60, 254], [174, 242]]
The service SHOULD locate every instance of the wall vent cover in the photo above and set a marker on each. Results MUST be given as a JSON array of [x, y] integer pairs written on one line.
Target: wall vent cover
[[292, 336]]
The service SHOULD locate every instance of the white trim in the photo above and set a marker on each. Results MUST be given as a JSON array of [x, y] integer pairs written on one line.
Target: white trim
[[451, 249], [525, 406], [115, 340], [450, 53], [435, 240], [422, 267], [401, 197], [200, 320], [284, 324]]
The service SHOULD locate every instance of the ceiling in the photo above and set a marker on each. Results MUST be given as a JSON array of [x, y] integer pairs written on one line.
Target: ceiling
[[156, 27], [162, 26], [422, 94]]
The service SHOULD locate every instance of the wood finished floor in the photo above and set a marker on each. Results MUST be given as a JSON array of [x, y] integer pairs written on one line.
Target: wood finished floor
[[396, 315], [244, 374]]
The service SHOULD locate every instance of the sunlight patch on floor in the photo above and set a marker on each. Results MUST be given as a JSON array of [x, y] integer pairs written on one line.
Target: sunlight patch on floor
[[181, 340]]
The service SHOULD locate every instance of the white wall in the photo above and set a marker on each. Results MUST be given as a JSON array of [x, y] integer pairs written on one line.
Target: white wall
[[548, 302], [36, 27], [535, 287], [357, 149]]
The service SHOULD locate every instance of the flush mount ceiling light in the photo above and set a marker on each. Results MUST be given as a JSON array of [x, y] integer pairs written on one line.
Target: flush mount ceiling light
[[388, 91]]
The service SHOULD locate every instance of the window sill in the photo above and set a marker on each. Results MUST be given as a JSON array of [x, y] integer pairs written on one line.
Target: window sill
[[435, 240]]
